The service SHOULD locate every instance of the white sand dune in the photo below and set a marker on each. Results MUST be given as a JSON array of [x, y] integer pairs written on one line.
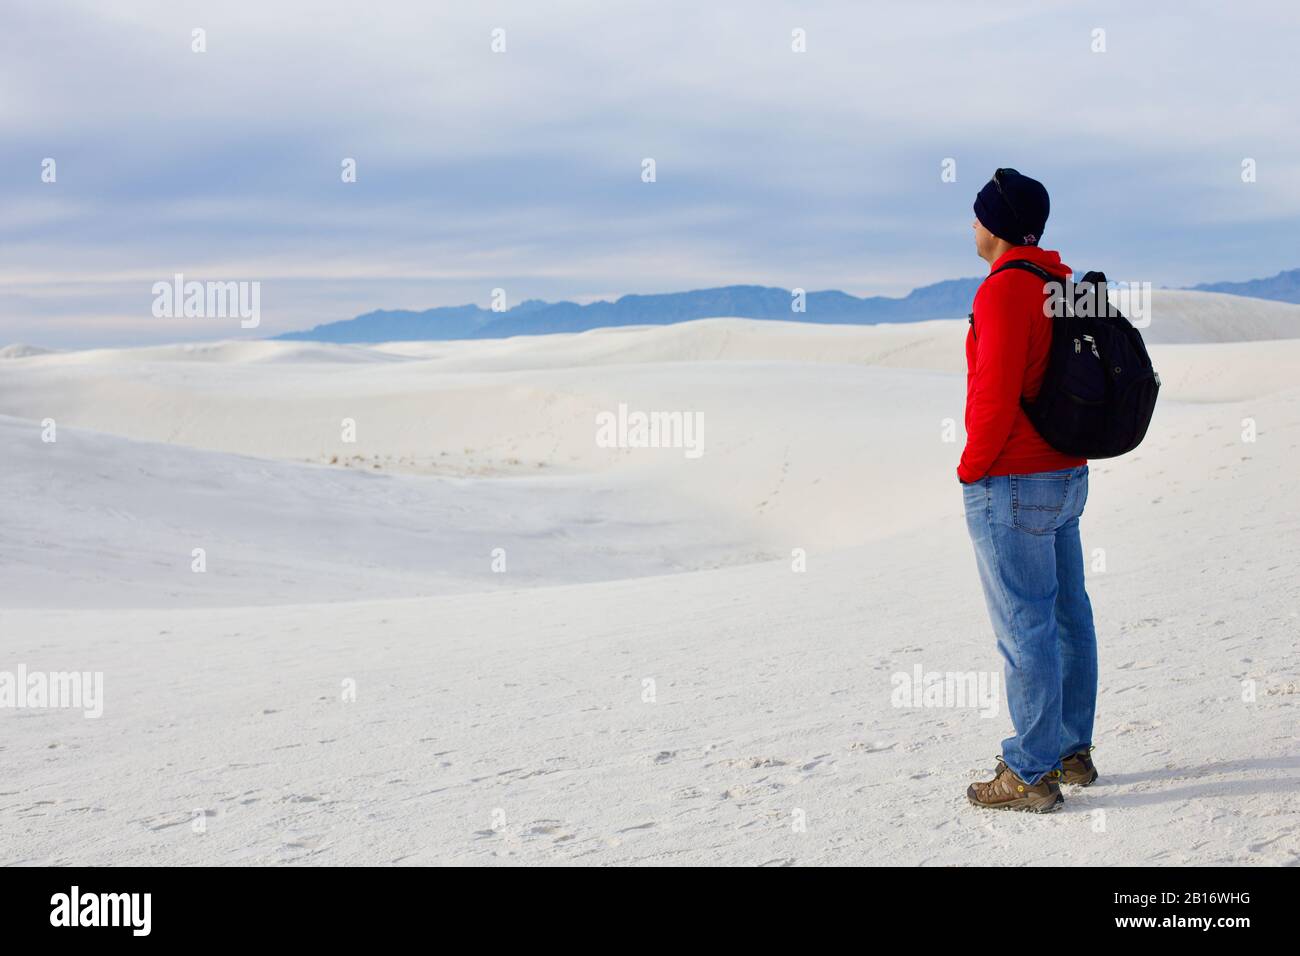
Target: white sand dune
[[649, 681], [17, 351], [95, 520], [1179, 316]]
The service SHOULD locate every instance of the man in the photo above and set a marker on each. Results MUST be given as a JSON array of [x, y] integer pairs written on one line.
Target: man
[[1023, 500]]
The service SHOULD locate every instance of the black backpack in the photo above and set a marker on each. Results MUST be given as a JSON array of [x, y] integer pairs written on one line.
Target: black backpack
[[1099, 389]]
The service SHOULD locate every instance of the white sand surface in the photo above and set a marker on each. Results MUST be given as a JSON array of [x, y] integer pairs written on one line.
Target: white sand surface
[[649, 680]]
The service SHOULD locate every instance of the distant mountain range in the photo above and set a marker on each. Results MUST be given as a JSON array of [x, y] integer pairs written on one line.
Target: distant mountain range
[[534, 317], [942, 300], [1283, 287]]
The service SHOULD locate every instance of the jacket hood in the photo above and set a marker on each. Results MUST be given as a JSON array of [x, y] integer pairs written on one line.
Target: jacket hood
[[1049, 259]]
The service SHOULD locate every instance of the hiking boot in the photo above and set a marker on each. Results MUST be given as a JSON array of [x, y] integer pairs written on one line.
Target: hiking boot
[[1078, 769], [1006, 791]]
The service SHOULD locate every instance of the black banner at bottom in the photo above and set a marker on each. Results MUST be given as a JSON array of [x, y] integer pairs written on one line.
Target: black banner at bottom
[[338, 905]]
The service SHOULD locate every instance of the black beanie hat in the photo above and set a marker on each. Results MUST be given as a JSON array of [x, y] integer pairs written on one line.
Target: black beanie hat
[[1013, 207]]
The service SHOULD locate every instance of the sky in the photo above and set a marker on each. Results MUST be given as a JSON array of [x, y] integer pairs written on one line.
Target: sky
[[522, 170]]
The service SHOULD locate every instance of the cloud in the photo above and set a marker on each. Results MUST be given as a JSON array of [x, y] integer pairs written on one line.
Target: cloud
[[522, 169]]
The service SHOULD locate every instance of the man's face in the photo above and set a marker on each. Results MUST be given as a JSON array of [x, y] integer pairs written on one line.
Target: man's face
[[984, 240]]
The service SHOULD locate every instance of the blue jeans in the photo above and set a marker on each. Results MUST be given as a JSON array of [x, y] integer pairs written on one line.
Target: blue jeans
[[1026, 534]]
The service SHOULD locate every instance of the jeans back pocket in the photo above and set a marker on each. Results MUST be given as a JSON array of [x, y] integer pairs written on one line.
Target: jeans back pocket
[[1038, 501]]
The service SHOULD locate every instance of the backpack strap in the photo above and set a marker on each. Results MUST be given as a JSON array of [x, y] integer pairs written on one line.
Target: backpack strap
[[1022, 264], [1092, 283], [1027, 266]]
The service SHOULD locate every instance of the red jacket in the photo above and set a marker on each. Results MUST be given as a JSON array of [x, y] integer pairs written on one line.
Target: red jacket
[[1006, 355]]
